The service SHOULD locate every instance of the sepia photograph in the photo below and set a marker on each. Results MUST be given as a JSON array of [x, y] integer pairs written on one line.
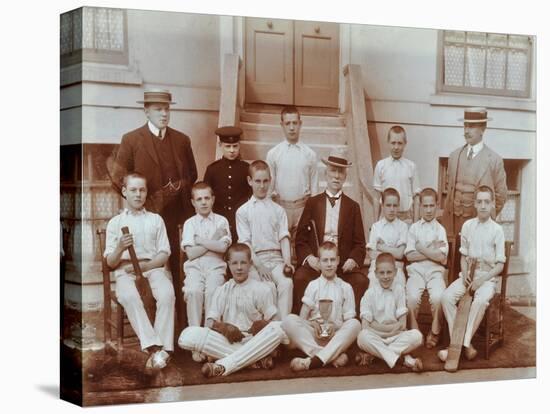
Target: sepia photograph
[[260, 206]]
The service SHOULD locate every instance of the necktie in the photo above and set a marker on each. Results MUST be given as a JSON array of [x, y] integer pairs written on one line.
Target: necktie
[[332, 200], [160, 134], [471, 153]]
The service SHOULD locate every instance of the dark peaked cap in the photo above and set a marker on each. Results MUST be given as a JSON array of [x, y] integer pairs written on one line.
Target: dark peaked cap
[[229, 134]]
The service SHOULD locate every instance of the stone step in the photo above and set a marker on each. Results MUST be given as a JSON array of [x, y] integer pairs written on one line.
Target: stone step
[[307, 120], [257, 150], [309, 134]]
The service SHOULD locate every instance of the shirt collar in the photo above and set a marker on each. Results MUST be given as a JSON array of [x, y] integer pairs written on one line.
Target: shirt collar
[[338, 194], [255, 200], [129, 212], [477, 147], [429, 223], [297, 144], [154, 130], [324, 279], [385, 221], [208, 217]]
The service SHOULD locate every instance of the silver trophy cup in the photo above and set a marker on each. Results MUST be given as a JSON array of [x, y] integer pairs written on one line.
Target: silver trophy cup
[[325, 309]]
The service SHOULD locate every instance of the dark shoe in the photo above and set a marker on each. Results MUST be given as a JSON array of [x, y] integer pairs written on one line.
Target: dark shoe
[[470, 352], [432, 340], [364, 359], [211, 369]]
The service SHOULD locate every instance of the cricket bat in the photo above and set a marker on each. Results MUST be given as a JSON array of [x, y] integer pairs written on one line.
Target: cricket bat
[[459, 329], [142, 285], [315, 240]]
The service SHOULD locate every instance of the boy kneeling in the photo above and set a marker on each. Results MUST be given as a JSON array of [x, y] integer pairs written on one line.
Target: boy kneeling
[[384, 320], [239, 331], [324, 332]]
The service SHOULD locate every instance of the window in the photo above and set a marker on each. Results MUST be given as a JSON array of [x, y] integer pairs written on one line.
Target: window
[[485, 63], [93, 34]]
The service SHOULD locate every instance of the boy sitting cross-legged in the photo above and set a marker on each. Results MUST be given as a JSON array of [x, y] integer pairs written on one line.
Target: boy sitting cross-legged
[[324, 340], [384, 320], [239, 329]]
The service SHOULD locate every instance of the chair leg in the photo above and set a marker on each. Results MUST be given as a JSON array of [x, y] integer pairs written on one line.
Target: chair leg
[[487, 336], [120, 326]]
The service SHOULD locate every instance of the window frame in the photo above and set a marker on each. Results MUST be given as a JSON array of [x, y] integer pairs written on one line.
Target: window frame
[[82, 55], [441, 87]]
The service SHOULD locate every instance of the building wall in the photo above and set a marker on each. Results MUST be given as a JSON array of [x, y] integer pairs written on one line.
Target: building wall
[[399, 67]]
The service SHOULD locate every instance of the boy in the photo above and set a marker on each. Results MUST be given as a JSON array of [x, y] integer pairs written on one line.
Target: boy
[[148, 236], [205, 238], [293, 166], [388, 235], [227, 176], [480, 238], [263, 226], [427, 250], [239, 330], [384, 320], [399, 173], [341, 328]]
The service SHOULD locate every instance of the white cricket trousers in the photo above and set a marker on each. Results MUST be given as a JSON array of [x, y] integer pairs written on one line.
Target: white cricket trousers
[[201, 281], [237, 355], [283, 285], [389, 349], [162, 332], [425, 275], [302, 335], [482, 297]]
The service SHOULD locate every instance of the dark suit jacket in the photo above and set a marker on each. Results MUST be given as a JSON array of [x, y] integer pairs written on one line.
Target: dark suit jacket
[[491, 173], [351, 237], [137, 154]]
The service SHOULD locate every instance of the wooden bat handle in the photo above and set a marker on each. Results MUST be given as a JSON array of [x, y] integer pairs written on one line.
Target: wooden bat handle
[[314, 229], [133, 257]]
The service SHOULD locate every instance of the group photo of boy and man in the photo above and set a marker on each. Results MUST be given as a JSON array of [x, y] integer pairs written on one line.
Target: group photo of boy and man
[[274, 261]]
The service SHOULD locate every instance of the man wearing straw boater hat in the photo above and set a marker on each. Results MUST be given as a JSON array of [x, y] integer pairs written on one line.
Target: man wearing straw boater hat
[[331, 216], [470, 167], [164, 156]]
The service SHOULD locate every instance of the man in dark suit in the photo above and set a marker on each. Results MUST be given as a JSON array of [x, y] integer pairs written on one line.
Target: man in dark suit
[[164, 156], [471, 166], [337, 219]]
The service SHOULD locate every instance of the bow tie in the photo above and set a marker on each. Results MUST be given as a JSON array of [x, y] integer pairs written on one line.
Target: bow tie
[[333, 199]]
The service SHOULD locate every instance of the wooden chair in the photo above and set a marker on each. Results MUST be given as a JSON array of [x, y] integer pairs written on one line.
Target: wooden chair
[[117, 330], [491, 329]]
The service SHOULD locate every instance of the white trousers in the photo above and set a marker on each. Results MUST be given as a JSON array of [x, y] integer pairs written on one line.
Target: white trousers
[[200, 283], [425, 275], [282, 285], [162, 332], [302, 335], [237, 355], [389, 349], [482, 297]]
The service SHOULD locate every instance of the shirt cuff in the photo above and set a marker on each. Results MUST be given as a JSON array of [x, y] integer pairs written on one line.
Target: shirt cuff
[[270, 312], [400, 312], [348, 315]]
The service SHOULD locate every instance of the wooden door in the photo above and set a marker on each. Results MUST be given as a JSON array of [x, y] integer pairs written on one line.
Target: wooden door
[[292, 62], [269, 61], [317, 56]]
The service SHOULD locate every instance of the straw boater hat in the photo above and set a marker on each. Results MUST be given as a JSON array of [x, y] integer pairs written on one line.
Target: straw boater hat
[[475, 116], [337, 159], [157, 96]]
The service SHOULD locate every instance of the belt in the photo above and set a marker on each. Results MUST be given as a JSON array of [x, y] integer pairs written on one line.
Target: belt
[[465, 188], [301, 202], [268, 251]]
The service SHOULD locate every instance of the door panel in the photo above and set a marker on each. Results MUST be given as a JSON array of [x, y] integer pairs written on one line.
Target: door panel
[[317, 56], [269, 61]]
